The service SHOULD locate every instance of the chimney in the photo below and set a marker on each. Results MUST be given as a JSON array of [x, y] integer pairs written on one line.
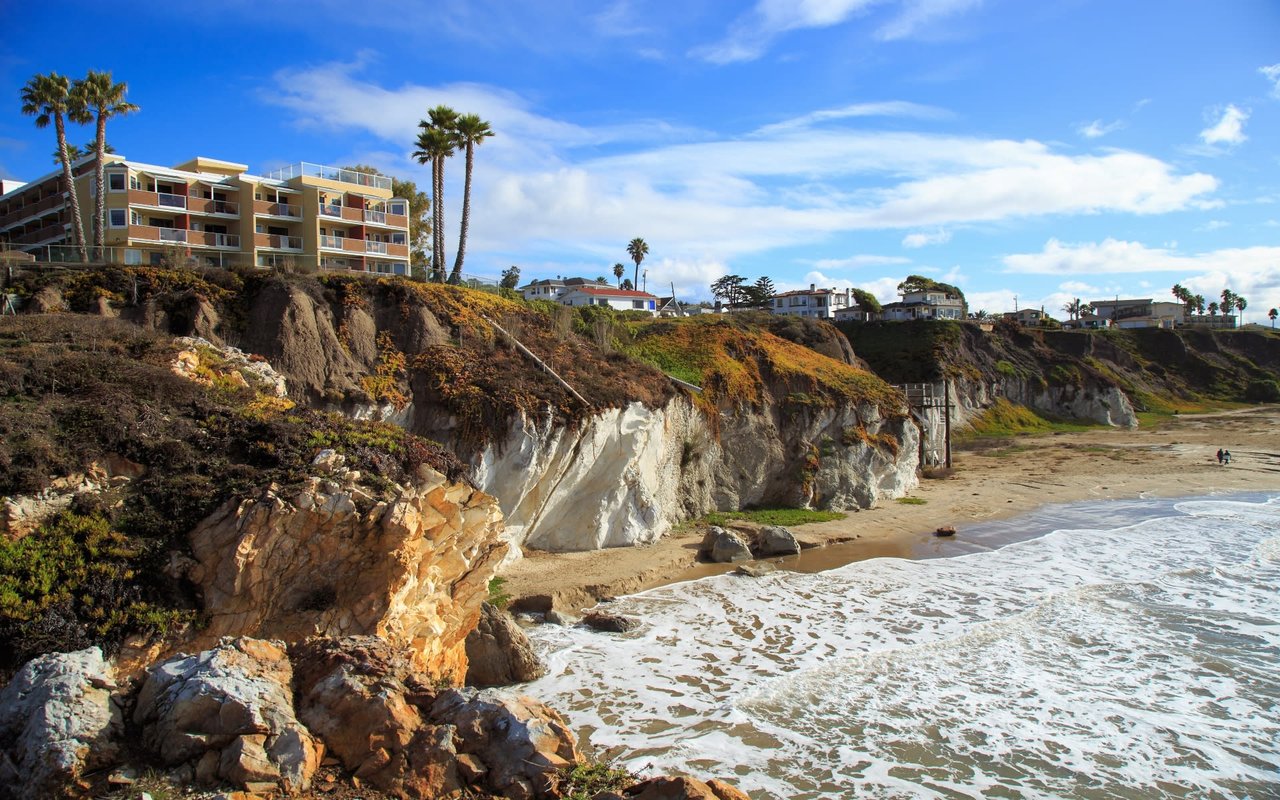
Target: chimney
[[812, 287]]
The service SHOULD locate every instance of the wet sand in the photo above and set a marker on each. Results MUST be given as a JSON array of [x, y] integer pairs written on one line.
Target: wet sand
[[1174, 459]]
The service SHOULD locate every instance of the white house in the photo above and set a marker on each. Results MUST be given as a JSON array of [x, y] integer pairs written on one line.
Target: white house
[[931, 304], [553, 288], [854, 313], [1027, 317], [617, 299], [813, 302]]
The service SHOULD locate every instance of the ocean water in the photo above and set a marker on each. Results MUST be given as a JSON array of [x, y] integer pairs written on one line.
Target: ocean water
[[1105, 650]]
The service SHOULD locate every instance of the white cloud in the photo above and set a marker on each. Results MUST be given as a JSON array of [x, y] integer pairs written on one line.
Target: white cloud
[[1213, 225], [1098, 129], [1272, 73], [750, 36], [915, 240], [854, 262], [888, 108], [1113, 256], [1229, 129], [1078, 287]]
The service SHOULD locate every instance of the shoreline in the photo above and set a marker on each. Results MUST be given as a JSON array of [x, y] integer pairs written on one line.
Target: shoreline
[[1014, 477]]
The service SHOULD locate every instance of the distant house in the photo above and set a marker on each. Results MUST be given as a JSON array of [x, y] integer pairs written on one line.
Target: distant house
[[814, 302], [671, 307], [853, 313], [929, 304], [1028, 317], [1086, 322], [553, 288], [617, 299], [1139, 313], [1209, 320]]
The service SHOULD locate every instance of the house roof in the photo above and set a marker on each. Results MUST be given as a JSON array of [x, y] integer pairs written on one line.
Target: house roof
[[795, 292], [1139, 301], [604, 291]]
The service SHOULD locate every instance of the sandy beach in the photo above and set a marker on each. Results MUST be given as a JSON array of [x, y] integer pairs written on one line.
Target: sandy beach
[[995, 481]]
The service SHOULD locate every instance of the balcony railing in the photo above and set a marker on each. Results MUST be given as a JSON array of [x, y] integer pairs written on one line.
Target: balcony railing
[[379, 217], [305, 169], [278, 242], [203, 205], [330, 211], [276, 209], [37, 208], [375, 247], [172, 234], [171, 200], [214, 239], [334, 242]]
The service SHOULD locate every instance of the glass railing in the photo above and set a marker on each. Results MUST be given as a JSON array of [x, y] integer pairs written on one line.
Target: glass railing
[[306, 169], [224, 239], [285, 242], [330, 211], [171, 200], [172, 234], [375, 247], [331, 241], [376, 216]]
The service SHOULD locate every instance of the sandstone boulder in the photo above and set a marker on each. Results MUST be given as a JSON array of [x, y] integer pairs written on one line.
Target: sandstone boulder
[[333, 561], [360, 696], [228, 713], [609, 623], [723, 546], [777, 541], [521, 742], [680, 788], [499, 652], [59, 719]]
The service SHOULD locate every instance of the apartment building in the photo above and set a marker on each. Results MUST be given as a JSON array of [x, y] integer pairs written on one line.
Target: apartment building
[[207, 212]]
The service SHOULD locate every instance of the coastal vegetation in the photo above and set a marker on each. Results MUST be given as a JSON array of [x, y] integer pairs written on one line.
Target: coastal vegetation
[[785, 517]]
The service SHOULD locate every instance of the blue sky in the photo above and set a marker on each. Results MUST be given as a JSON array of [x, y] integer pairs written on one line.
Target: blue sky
[[1037, 150]]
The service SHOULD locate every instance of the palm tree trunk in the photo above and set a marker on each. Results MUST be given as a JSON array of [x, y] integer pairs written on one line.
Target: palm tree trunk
[[435, 218], [635, 281], [77, 226], [439, 211], [456, 277], [100, 215]]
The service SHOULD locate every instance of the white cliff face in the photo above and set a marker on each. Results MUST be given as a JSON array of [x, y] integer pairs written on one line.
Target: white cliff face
[[1105, 406], [626, 476]]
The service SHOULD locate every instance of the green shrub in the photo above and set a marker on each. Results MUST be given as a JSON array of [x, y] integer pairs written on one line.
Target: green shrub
[[585, 781], [497, 596], [1262, 391], [912, 501]]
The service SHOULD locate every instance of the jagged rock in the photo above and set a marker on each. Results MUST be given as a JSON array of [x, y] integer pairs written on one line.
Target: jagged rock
[[554, 617], [413, 569], [522, 743], [681, 788], [609, 623], [329, 461], [229, 711], [945, 530], [777, 541], [21, 514], [724, 546], [755, 570], [360, 696], [58, 721], [499, 653], [248, 369]]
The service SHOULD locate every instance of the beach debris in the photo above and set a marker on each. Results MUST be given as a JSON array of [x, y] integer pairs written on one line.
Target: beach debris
[[945, 530], [609, 623], [755, 569]]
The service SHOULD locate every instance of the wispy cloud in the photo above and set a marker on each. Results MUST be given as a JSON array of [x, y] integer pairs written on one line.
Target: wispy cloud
[[917, 240], [1112, 256], [1229, 129], [887, 108], [1272, 73], [1097, 129], [854, 262], [751, 35]]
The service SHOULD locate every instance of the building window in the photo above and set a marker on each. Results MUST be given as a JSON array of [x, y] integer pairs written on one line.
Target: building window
[[135, 218], [116, 217], [115, 181], [132, 256], [637, 304]]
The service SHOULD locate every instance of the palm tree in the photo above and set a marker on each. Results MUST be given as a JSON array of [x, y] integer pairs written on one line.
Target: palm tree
[[1198, 302], [96, 95], [1272, 314], [1241, 305], [1213, 309], [1075, 308], [470, 131], [48, 97], [436, 142], [618, 272], [637, 249]]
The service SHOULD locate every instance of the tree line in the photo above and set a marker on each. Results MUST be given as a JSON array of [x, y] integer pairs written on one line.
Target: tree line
[[1194, 303]]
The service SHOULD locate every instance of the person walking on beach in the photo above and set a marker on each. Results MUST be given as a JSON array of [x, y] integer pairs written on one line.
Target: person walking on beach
[[1219, 456], [1226, 456]]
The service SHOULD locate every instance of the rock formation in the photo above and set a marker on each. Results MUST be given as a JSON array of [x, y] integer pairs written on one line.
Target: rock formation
[[59, 719], [723, 546], [328, 559], [499, 653], [227, 713]]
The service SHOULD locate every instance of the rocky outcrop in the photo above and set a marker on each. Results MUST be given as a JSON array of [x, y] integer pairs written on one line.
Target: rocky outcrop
[[681, 788], [328, 559], [250, 370], [520, 743], [609, 622], [499, 652], [21, 514], [227, 713], [775, 540], [59, 719], [626, 476]]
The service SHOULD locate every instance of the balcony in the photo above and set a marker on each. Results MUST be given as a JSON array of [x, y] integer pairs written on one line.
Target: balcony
[[379, 217], [201, 205], [331, 242], [36, 209], [277, 242], [153, 233], [138, 197], [386, 219], [330, 211], [221, 240], [268, 209], [375, 247], [307, 170], [42, 235]]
